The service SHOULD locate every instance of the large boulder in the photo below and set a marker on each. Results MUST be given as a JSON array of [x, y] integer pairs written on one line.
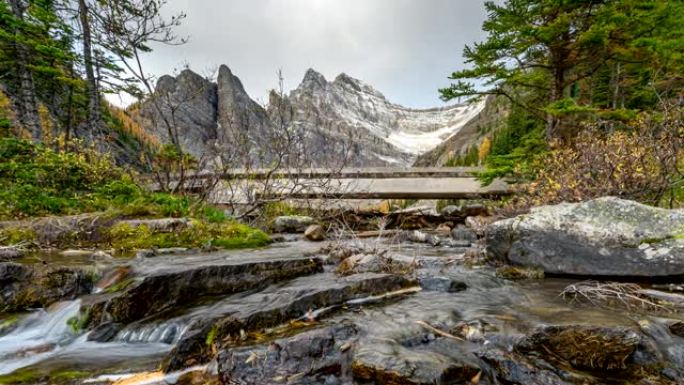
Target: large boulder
[[602, 237]]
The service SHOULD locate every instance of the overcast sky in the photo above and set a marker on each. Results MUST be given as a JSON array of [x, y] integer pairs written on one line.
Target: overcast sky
[[404, 48]]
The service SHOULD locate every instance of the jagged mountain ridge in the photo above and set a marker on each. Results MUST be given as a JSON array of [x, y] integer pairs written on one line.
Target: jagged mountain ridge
[[343, 115]]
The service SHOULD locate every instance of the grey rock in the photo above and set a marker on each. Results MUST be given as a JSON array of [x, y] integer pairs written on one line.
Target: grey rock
[[29, 286], [514, 368], [177, 284], [443, 284], [279, 304], [315, 233], [440, 361], [8, 253], [464, 234], [104, 332], [452, 211], [13, 272], [421, 237], [292, 224], [316, 353], [602, 237]]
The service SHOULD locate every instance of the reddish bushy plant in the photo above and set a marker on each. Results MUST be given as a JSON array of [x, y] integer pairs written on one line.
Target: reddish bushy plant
[[642, 163]]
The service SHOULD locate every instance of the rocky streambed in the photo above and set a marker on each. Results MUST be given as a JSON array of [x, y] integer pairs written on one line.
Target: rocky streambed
[[417, 309]]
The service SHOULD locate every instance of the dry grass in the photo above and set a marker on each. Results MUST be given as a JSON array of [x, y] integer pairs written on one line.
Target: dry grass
[[628, 296], [355, 255], [586, 347]]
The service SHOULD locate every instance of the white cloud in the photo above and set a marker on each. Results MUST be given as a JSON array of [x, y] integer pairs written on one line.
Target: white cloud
[[404, 48]]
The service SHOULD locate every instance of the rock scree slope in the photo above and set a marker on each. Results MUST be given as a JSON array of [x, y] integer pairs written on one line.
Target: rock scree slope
[[339, 119]]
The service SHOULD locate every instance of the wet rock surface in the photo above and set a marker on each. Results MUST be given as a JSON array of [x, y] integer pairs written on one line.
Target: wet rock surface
[[175, 285], [438, 322], [446, 284], [603, 237], [319, 356], [305, 298], [437, 362], [33, 286]]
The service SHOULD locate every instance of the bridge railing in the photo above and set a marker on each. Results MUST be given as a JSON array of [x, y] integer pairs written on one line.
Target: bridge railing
[[345, 173], [349, 183]]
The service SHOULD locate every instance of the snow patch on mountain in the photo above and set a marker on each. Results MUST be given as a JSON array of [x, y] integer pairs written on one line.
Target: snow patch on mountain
[[388, 130], [417, 143]]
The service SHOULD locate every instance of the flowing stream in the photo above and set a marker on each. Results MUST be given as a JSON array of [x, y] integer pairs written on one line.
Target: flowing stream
[[44, 341]]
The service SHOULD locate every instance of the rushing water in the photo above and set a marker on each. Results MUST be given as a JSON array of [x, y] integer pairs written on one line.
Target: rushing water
[[45, 337], [44, 340], [37, 336], [163, 332]]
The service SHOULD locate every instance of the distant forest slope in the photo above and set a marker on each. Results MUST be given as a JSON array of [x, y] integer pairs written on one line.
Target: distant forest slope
[[468, 138]]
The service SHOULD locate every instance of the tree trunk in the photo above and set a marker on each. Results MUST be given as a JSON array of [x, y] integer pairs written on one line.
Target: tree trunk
[[616, 86], [91, 81], [559, 56], [27, 106]]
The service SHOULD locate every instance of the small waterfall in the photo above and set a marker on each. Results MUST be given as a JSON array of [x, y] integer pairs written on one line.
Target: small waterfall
[[166, 333], [37, 335]]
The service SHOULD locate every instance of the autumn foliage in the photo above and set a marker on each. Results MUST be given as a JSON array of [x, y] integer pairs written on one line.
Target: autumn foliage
[[643, 163]]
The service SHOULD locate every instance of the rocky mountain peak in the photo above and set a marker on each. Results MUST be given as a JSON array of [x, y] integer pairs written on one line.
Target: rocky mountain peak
[[165, 84], [345, 113], [313, 80], [191, 76], [353, 84], [229, 83]]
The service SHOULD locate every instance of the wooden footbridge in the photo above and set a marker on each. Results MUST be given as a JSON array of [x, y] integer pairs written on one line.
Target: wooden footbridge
[[356, 183]]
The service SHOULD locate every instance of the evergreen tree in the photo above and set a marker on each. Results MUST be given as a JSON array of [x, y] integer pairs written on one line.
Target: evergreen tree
[[560, 57]]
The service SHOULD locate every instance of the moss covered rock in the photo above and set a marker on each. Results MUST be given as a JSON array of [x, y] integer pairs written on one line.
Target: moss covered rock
[[23, 286], [602, 237]]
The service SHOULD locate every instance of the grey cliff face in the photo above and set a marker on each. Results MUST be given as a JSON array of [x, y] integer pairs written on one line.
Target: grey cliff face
[[343, 121], [187, 104]]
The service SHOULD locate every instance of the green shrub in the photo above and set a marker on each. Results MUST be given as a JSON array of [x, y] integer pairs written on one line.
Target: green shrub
[[119, 192], [39, 181], [214, 215], [227, 234], [170, 205]]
